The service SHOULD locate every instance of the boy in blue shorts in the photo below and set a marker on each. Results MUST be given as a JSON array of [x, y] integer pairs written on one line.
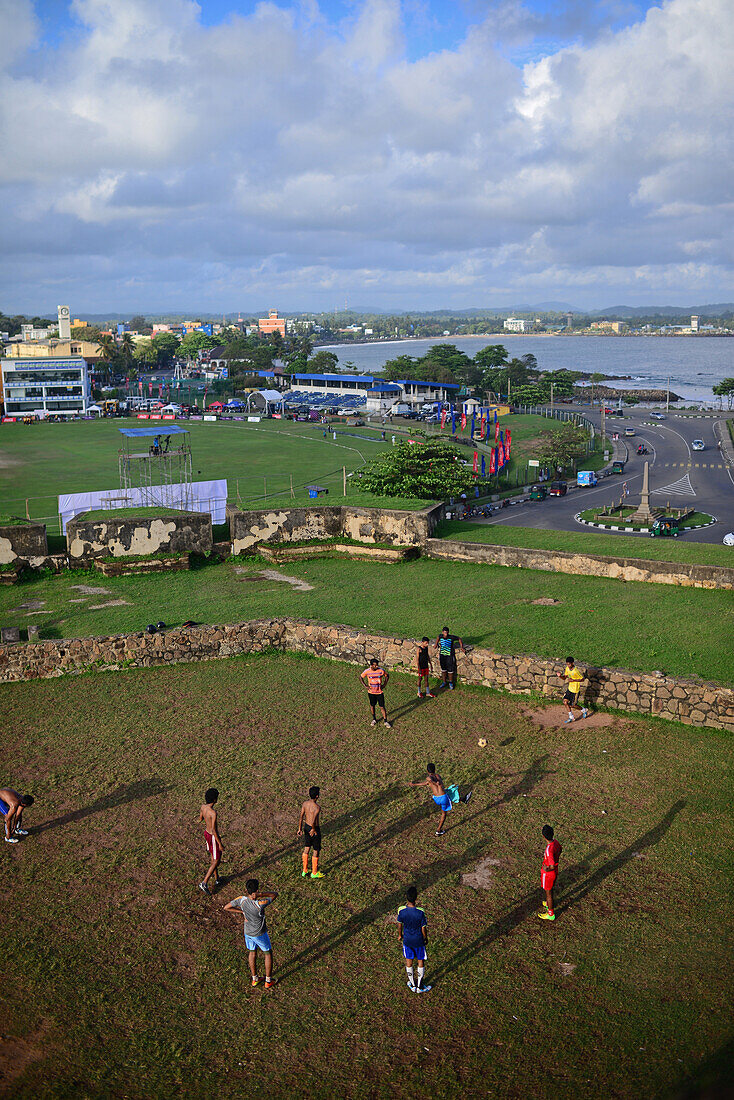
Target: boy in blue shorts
[[256, 932], [444, 797], [413, 936]]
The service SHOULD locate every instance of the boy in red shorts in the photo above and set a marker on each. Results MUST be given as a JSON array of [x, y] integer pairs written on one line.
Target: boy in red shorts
[[212, 838], [548, 872]]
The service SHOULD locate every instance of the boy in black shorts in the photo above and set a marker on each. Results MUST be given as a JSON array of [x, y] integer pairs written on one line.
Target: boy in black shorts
[[424, 666], [309, 823], [446, 645], [375, 679]]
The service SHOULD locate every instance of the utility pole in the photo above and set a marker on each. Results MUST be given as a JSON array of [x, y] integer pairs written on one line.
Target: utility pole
[[551, 399], [603, 425], [667, 399]]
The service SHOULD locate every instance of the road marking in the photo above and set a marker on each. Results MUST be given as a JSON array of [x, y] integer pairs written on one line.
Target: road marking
[[682, 487]]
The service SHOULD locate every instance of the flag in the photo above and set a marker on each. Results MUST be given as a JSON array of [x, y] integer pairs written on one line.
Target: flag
[[508, 441], [501, 456], [484, 468], [493, 461], [482, 424], [150, 389], [444, 414], [140, 386], [476, 461], [463, 421], [453, 420], [473, 418], [496, 428]]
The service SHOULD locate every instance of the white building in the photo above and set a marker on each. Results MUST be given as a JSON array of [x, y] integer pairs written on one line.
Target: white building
[[694, 323], [409, 391], [50, 385], [516, 324]]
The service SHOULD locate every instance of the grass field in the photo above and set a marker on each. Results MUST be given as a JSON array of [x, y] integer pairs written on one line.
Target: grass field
[[584, 542], [39, 462], [126, 981], [597, 620]]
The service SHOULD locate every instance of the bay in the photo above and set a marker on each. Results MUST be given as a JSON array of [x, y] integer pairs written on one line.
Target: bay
[[694, 364]]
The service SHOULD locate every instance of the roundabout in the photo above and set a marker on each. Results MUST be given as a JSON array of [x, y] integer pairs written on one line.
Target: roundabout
[[590, 518]]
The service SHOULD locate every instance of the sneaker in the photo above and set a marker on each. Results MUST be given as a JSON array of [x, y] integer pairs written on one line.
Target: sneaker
[[304, 874], [11, 840], [423, 988], [545, 915], [255, 981], [441, 832], [569, 719], [412, 986], [373, 723], [270, 982], [452, 686], [430, 695], [467, 796], [420, 694], [584, 713], [388, 725], [318, 874], [20, 832], [205, 889]]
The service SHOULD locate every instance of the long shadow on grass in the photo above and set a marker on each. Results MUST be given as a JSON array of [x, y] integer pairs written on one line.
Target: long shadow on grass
[[520, 911], [128, 792], [711, 1078], [648, 840]]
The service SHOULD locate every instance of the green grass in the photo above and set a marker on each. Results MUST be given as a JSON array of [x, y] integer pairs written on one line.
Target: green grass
[[126, 513], [602, 622], [584, 542], [13, 521], [128, 982], [595, 515]]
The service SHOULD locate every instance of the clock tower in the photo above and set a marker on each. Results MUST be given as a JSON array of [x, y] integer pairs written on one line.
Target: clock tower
[[64, 323]]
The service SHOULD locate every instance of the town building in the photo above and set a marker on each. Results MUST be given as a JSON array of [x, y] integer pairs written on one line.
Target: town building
[[50, 385], [28, 333], [694, 323], [408, 391], [516, 324], [272, 323], [54, 349]]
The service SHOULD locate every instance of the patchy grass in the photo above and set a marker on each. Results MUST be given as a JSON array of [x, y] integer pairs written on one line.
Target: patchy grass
[[597, 620], [584, 542], [127, 513], [132, 983]]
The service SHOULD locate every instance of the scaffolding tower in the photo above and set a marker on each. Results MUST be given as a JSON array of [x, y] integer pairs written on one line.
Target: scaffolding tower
[[155, 467]]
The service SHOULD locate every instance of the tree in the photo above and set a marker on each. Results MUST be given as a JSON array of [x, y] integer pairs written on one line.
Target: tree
[[562, 448], [126, 350], [194, 342], [109, 354], [138, 322], [166, 346], [725, 388], [86, 332], [430, 471], [403, 366], [323, 362]]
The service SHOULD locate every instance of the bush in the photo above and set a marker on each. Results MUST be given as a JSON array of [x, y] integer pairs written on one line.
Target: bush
[[430, 471]]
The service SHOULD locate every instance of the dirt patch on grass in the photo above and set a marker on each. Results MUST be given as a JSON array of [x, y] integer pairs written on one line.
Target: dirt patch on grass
[[554, 716], [90, 590], [546, 601], [482, 877], [296, 582], [112, 603], [29, 605], [17, 1054]]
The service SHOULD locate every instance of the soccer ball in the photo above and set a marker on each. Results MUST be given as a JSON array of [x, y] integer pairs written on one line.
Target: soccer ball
[[482, 742]]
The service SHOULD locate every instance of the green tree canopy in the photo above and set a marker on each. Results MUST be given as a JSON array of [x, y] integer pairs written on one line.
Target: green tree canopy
[[562, 448], [166, 345], [431, 471], [323, 362], [194, 342], [725, 388]]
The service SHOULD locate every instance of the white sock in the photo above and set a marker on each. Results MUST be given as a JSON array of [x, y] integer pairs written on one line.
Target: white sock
[[409, 972], [421, 972]]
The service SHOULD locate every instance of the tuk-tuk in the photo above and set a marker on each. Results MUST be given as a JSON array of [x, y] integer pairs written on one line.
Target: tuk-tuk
[[665, 526], [618, 467], [538, 492]]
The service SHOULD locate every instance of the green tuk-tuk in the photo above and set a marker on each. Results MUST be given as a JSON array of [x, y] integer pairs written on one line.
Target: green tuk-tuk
[[538, 492], [665, 526], [618, 467]]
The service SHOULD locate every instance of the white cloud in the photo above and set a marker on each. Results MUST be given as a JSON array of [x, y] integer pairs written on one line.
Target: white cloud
[[279, 153]]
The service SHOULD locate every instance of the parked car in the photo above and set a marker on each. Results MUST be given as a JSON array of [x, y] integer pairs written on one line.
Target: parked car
[[558, 489], [729, 539], [657, 416], [629, 431], [698, 445]]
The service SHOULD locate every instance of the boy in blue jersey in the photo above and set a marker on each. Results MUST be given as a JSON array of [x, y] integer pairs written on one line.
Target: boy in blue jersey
[[446, 645], [413, 936]]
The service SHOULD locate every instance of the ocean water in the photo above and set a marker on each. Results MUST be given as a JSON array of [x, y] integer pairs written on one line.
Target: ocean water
[[693, 364]]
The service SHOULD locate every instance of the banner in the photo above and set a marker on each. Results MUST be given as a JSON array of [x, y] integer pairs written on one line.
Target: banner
[[453, 420], [493, 461], [482, 424], [476, 461], [508, 441], [463, 422], [199, 496], [444, 414], [500, 456], [484, 468], [496, 429]]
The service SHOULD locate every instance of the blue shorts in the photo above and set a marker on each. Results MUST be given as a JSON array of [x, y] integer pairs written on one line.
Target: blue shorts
[[3, 807], [262, 941], [443, 801], [418, 951]]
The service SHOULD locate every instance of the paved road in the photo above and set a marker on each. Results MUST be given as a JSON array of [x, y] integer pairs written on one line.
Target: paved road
[[678, 475]]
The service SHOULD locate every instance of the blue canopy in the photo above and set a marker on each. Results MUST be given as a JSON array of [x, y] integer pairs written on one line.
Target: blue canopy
[[161, 429]]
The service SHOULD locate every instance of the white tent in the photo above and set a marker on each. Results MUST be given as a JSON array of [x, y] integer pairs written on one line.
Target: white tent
[[264, 399]]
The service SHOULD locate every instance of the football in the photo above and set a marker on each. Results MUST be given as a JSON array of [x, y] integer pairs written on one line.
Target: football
[[482, 742]]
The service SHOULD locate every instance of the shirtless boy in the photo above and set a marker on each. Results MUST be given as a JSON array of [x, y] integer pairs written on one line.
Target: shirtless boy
[[441, 795], [309, 824], [12, 805], [208, 815], [424, 665]]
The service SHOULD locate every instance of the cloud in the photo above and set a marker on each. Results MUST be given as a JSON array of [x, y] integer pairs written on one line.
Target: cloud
[[153, 161]]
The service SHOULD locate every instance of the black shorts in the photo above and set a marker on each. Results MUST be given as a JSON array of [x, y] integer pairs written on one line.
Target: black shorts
[[313, 841], [572, 698], [376, 700], [448, 664]]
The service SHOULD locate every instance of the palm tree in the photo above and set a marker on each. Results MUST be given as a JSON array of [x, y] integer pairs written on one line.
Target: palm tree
[[108, 352]]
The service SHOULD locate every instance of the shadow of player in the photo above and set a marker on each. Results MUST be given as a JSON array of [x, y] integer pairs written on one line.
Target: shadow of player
[[128, 792]]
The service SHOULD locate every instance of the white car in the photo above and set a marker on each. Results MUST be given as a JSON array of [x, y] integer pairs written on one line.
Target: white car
[[729, 539], [657, 416], [629, 431], [698, 445]]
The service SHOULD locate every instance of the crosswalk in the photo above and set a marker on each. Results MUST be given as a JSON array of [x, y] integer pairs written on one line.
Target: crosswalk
[[682, 487], [695, 465]]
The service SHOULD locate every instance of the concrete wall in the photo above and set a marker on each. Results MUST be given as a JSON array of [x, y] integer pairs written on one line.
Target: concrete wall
[[692, 702], [178, 533], [248, 529], [26, 542], [559, 561]]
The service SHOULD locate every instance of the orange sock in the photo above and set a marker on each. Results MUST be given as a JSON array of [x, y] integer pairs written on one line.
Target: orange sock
[[314, 864], [305, 862]]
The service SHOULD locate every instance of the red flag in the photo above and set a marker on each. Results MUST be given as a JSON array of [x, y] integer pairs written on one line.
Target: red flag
[[140, 386], [493, 461], [501, 455], [481, 427], [444, 414], [150, 389], [476, 461], [508, 441], [463, 421], [496, 431]]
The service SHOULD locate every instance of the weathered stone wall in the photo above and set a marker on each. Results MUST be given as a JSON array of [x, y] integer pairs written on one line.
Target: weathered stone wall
[[559, 561], [692, 702], [181, 532], [248, 529], [23, 542]]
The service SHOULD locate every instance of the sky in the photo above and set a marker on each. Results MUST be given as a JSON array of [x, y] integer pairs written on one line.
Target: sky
[[164, 155]]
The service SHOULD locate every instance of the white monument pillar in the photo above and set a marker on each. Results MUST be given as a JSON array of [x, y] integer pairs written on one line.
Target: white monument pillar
[[64, 323]]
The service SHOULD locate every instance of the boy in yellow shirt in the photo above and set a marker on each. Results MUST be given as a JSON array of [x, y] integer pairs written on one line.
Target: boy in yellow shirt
[[574, 677]]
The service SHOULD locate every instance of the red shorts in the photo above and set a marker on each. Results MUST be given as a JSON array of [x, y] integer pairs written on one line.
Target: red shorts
[[212, 846], [547, 879]]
